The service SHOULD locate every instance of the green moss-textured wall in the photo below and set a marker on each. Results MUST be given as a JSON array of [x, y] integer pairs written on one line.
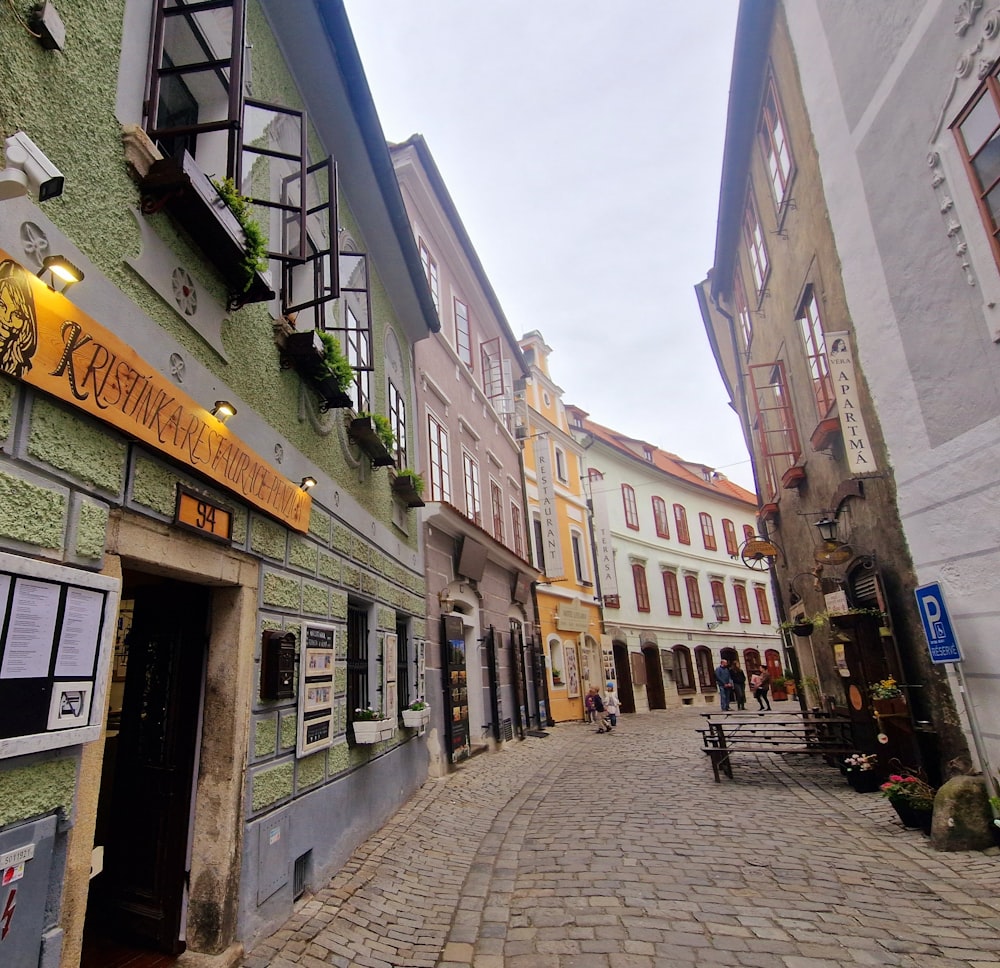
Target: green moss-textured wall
[[38, 789], [32, 514], [271, 785], [6, 407], [91, 532]]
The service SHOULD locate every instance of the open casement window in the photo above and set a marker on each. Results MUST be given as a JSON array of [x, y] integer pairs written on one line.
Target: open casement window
[[753, 236], [397, 420], [353, 326], [811, 327], [774, 421], [774, 145], [498, 384], [743, 311]]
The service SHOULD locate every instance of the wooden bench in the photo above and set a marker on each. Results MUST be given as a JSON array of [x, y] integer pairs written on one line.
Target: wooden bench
[[803, 734]]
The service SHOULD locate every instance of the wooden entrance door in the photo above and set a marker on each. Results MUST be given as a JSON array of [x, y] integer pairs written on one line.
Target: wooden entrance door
[[654, 678], [142, 894]]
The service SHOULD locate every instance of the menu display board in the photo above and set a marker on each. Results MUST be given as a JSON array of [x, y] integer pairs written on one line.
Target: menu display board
[[456, 688], [56, 631], [316, 688]]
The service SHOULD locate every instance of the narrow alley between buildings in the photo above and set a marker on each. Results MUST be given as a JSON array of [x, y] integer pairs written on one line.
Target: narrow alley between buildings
[[579, 850]]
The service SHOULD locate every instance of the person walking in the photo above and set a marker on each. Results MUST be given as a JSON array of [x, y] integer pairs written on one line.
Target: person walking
[[739, 684], [724, 680], [600, 714], [611, 707], [760, 682], [588, 705]]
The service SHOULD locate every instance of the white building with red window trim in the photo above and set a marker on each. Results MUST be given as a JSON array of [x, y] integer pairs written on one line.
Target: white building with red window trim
[[677, 596]]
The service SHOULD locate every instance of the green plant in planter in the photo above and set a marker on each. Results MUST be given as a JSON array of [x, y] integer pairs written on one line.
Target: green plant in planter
[[383, 429], [414, 479], [255, 259], [417, 705], [335, 364]]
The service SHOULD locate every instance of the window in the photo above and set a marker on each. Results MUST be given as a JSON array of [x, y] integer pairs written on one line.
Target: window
[[694, 596], [355, 330], [729, 532], [561, 465], [742, 605], [515, 530], [641, 591], [579, 559], [753, 236], [719, 598], [403, 686], [496, 509], [397, 420], [431, 272], [763, 608], [463, 335], [706, 668], [977, 131], [539, 544], [440, 475], [707, 531], [815, 346], [743, 311], [631, 509], [681, 522], [774, 422], [673, 594], [470, 475], [358, 696], [682, 668], [660, 517], [748, 532], [774, 144]]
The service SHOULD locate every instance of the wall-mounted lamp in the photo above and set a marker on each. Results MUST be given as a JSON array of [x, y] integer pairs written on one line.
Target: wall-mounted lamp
[[223, 410], [59, 267], [827, 527], [720, 615], [307, 482], [27, 167]]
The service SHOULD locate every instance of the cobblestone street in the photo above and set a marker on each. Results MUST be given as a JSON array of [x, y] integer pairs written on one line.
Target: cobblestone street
[[580, 850]]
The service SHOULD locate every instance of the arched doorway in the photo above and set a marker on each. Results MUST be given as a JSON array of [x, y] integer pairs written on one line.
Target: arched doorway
[[626, 694], [655, 694]]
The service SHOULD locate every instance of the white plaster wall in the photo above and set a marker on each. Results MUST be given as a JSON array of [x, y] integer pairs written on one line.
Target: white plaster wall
[[924, 323]]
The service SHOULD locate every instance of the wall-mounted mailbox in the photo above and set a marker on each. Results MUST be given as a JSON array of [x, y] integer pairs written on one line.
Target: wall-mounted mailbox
[[277, 665]]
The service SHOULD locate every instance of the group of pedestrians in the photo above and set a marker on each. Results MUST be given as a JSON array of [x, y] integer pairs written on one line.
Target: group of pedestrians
[[602, 710], [732, 683]]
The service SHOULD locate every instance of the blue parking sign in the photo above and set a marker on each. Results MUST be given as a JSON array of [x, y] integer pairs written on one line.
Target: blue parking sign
[[941, 638]]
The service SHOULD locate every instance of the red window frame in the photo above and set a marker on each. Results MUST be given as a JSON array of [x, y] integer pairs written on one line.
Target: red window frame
[[729, 534], [681, 522], [774, 144], [693, 596], [707, 531], [463, 333], [774, 420], [641, 589], [811, 327], [438, 457], [748, 532], [496, 506], [515, 530], [753, 236], [631, 508], [473, 494], [719, 598], [672, 593], [660, 518], [742, 605], [763, 606]]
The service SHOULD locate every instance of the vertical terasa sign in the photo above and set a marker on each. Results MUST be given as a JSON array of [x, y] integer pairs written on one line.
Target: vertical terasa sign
[[51, 344], [551, 548], [857, 445], [607, 579]]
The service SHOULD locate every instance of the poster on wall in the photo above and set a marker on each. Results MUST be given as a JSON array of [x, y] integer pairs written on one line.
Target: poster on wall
[[56, 635], [316, 688], [572, 671], [456, 688], [390, 654]]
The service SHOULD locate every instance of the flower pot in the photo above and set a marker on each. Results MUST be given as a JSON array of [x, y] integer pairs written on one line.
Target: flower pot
[[402, 486], [370, 731], [912, 817], [802, 629], [331, 397], [863, 781], [363, 432], [416, 718], [890, 707]]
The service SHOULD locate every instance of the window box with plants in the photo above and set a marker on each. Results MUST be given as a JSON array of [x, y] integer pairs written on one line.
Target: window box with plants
[[317, 357], [373, 434], [370, 727], [887, 698], [217, 218], [417, 715], [408, 485]]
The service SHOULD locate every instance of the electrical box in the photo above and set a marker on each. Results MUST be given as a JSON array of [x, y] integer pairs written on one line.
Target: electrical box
[[277, 665]]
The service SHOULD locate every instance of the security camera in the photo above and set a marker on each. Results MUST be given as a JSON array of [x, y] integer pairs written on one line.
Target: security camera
[[27, 167]]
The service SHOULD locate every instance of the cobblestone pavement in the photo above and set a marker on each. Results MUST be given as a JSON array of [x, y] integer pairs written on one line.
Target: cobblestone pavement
[[580, 850]]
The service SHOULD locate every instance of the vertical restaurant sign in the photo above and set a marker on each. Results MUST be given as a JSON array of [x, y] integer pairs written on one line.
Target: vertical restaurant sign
[[606, 577], [49, 343], [551, 547], [857, 444]]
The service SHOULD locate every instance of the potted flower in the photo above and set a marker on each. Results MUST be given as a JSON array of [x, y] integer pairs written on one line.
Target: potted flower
[[887, 697], [409, 485], [860, 770], [556, 676], [373, 434], [370, 727], [417, 714], [912, 798]]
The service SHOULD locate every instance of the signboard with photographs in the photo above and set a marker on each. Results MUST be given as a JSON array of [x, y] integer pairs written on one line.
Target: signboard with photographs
[[316, 688]]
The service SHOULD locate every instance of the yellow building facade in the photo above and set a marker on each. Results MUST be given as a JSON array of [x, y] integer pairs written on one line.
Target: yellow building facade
[[569, 613]]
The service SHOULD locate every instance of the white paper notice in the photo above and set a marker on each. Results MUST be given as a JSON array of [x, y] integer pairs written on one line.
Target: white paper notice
[[32, 625], [78, 638]]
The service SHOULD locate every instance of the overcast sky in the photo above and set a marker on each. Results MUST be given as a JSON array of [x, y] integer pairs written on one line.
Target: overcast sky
[[582, 145]]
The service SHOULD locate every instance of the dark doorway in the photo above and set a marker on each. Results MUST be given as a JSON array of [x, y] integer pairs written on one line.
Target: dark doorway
[[655, 693], [144, 810], [626, 694]]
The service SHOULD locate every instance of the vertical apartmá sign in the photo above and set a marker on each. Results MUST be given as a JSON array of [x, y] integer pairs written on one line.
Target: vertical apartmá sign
[[857, 444], [552, 548]]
